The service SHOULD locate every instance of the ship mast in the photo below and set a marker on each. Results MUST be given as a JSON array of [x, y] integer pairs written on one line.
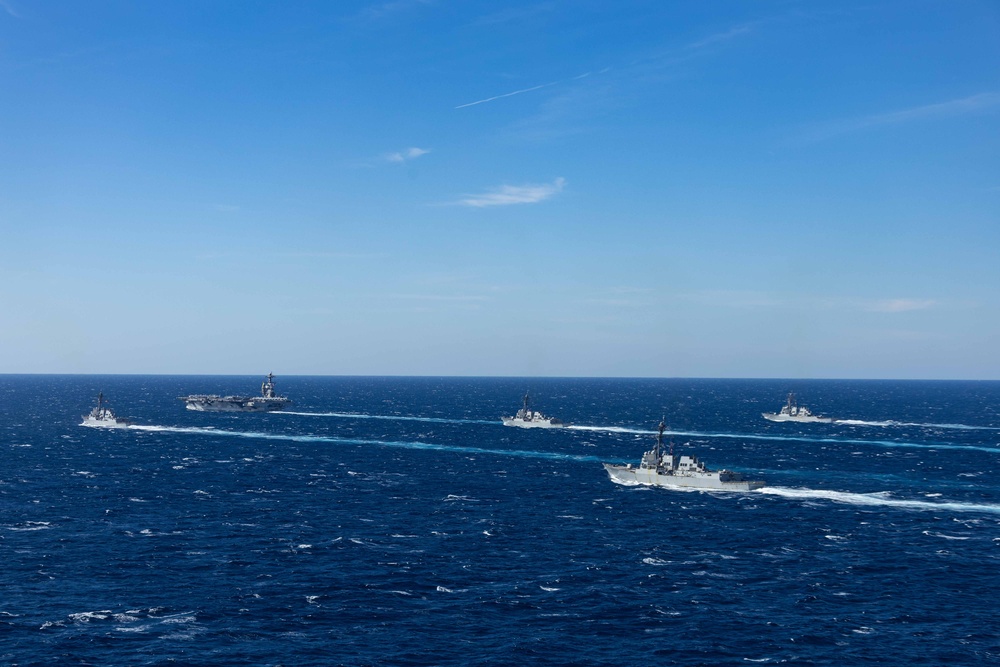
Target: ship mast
[[659, 440]]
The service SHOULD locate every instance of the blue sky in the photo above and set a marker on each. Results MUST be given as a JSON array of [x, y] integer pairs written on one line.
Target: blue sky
[[420, 187]]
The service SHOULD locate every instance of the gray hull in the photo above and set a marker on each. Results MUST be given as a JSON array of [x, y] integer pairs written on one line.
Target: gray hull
[[234, 404], [536, 423], [811, 419], [715, 481], [107, 422]]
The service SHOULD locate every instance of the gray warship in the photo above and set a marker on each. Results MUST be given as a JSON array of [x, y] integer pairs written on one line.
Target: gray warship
[[268, 401], [526, 418], [672, 471], [793, 412], [102, 416]]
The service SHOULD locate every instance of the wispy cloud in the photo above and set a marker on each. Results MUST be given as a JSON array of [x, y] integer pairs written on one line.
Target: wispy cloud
[[7, 7], [385, 9], [514, 194], [503, 95], [735, 299], [439, 297], [951, 108], [899, 305], [754, 299], [532, 88], [725, 36], [515, 14], [406, 155]]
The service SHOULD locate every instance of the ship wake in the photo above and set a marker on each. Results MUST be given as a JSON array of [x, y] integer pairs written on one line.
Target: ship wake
[[520, 453], [880, 499]]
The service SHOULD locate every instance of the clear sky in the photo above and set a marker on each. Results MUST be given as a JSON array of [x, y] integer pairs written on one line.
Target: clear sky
[[552, 188]]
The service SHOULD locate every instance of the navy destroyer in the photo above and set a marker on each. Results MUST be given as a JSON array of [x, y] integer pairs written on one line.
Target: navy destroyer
[[526, 418], [672, 471], [102, 416], [793, 412], [268, 401]]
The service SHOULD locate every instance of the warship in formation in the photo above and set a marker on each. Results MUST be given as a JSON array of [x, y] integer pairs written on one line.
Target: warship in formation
[[526, 418], [793, 412], [672, 471], [268, 401], [103, 417]]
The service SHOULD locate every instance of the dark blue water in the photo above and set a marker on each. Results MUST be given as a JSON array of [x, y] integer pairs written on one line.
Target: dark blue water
[[396, 521]]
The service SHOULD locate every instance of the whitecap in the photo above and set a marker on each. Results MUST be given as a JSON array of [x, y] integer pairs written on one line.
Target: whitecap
[[137, 628], [311, 599], [549, 588], [304, 546], [655, 561], [179, 619], [87, 616], [947, 537], [442, 589]]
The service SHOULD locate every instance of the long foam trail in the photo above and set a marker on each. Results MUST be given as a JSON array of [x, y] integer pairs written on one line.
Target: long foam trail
[[877, 500], [796, 438], [521, 453], [959, 427], [353, 415]]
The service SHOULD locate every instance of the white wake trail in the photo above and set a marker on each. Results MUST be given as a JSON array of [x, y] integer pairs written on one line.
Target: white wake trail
[[880, 499], [520, 453]]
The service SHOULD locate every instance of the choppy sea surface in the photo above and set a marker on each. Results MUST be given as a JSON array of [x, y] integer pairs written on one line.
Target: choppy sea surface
[[397, 521]]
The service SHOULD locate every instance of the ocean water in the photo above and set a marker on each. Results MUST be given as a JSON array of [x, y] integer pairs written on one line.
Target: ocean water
[[395, 521]]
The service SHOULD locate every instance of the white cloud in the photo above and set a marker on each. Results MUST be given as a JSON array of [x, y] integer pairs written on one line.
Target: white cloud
[[405, 155], [735, 31], [951, 108], [511, 94], [900, 305], [514, 194]]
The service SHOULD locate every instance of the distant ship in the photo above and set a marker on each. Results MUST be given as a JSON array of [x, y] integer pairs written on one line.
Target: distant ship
[[525, 418], [792, 412], [672, 471], [103, 417], [268, 401]]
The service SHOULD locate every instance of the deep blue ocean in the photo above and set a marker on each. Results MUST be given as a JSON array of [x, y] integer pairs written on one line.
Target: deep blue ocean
[[396, 521]]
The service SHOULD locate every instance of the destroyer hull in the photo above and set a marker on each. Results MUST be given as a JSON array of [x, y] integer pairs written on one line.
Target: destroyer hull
[[811, 419], [104, 423], [532, 424], [639, 476]]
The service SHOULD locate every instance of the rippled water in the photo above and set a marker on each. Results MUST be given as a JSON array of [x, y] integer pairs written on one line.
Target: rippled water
[[396, 521]]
